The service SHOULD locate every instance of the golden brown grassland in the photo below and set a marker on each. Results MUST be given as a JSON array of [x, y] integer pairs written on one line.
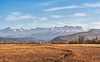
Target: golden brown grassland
[[50, 53]]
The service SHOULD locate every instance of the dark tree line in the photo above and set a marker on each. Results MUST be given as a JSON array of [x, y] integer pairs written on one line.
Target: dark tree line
[[81, 40]]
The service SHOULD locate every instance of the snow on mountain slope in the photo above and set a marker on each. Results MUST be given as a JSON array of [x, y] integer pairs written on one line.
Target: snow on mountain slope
[[40, 32]]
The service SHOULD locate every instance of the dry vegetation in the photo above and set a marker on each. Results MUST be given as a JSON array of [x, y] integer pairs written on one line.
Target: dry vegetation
[[50, 53]]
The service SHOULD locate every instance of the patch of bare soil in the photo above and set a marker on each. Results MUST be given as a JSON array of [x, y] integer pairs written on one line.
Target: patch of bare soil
[[49, 53]]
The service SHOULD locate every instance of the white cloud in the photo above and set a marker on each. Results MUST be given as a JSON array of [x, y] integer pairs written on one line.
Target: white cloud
[[91, 5], [55, 16], [80, 14], [84, 5], [43, 18], [80, 24], [96, 11], [13, 16], [97, 23], [15, 13], [59, 8], [82, 19], [96, 27]]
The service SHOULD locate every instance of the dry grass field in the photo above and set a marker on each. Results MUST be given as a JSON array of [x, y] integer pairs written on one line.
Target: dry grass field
[[50, 53]]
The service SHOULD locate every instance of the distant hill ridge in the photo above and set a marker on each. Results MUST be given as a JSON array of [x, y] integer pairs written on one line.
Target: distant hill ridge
[[3, 40], [16, 40], [89, 34]]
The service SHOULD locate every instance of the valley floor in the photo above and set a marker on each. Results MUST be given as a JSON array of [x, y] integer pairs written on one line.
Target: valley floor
[[50, 53]]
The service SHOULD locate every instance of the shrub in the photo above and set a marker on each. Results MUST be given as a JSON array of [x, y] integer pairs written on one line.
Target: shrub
[[71, 42], [26, 42], [63, 42], [77, 42], [59, 42]]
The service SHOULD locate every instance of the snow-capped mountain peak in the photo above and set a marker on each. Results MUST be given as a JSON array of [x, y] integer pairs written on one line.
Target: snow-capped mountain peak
[[84, 29], [19, 29], [9, 28], [40, 32]]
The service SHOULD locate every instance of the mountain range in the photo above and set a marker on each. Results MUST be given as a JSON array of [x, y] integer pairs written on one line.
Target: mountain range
[[18, 40], [91, 34], [8, 40], [40, 33]]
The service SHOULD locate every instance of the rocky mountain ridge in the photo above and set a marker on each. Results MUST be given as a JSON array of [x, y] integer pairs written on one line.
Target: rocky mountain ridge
[[40, 32], [91, 34]]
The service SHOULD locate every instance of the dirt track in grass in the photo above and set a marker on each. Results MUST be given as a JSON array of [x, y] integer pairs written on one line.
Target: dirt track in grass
[[50, 53]]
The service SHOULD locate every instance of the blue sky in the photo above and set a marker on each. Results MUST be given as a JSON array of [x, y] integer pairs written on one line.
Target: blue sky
[[49, 13]]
